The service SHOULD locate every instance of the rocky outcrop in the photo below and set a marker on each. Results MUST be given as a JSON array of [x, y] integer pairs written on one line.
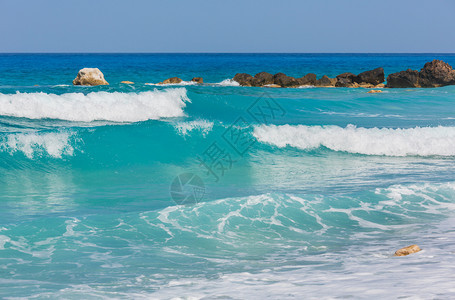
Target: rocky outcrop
[[433, 74], [436, 73], [90, 76], [127, 82], [308, 79], [325, 81], [243, 79], [197, 80], [346, 80], [172, 80], [284, 80], [373, 77], [407, 250], [262, 79], [403, 79]]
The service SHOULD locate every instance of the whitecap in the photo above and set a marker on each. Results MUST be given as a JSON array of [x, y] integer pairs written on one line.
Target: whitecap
[[418, 141], [117, 107]]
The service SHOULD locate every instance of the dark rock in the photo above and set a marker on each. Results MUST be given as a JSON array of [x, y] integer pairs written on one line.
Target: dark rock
[[308, 79], [346, 80], [373, 77], [326, 81], [403, 79], [198, 80], [243, 79], [283, 80], [263, 78], [436, 73]]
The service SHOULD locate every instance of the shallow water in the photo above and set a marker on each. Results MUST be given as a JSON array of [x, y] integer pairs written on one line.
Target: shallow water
[[312, 191]]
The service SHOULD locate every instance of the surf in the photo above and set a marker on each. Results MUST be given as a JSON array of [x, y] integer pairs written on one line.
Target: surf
[[417, 141], [106, 106]]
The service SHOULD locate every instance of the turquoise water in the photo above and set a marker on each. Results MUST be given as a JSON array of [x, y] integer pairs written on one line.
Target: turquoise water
[[324, 186]]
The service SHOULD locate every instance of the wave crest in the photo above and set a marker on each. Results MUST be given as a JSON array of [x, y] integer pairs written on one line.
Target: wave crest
[[419, 141], [117, 107], [55, 144]]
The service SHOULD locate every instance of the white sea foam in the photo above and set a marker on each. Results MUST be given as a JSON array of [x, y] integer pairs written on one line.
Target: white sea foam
[[421, 141], [203, 126], [117, 107], [228, 82], [55, 144]]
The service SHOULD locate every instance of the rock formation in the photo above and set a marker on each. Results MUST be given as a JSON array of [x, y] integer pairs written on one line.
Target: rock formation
[[373, 77], [172, 80], [436, 73], [90, 76], [243, 79], [403, 79], [346, 80], [433, 74], [325, 81], [263, 78], [127, 82], [284, 80], [407, 250], [198, 80], [308, 79]]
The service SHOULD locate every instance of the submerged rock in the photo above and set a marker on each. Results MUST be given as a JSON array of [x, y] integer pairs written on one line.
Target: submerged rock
[[403, 79], [172, 80], [262, 79], [127, 82], [325, 81], [198, 80], [243, 79], [90, 76], [374, 91], [285, 81], [407, 250]]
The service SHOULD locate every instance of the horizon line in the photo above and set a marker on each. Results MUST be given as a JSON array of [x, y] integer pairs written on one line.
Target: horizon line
[[227, 53]]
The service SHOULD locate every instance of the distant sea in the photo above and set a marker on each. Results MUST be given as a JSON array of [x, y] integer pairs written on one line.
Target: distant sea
[[217, 191]]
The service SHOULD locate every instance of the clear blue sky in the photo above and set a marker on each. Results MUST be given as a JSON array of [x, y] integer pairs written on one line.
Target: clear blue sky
[[227, 26]]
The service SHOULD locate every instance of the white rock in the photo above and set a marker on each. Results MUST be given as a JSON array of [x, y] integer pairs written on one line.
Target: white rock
[[90, 76]]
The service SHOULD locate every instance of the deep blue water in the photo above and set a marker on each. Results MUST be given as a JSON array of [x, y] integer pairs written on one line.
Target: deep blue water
[[301, 193]]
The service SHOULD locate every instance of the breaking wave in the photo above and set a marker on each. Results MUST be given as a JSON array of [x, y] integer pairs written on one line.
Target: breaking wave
[[117, 106], [418, 141], [54, 144]]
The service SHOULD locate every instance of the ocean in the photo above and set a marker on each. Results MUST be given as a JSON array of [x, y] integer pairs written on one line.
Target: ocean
[[217, 191]]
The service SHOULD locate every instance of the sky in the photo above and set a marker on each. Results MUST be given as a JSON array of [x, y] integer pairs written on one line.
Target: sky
[[300, 26]]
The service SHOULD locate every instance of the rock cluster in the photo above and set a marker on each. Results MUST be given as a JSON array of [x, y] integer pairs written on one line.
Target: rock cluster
[[90, 76], [433, 74], [372, 78]]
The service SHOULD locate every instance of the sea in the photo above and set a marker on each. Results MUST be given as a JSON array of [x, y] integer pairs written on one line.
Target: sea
[[217, 191]]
